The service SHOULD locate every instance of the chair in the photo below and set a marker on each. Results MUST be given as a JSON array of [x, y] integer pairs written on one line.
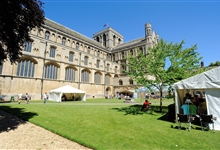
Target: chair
[[184, 119], [205, 121]]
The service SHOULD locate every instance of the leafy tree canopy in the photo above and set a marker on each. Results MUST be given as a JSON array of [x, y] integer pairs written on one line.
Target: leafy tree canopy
[[164, 64], [18, 18], [217, 63]]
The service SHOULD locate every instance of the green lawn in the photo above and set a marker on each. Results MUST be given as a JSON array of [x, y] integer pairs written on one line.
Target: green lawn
[[111, 124]]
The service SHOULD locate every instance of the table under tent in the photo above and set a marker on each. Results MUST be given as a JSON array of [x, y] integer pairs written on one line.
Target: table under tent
[[207, 85]]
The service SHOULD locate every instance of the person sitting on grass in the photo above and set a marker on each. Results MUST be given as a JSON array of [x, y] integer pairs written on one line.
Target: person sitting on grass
[[146, 105]]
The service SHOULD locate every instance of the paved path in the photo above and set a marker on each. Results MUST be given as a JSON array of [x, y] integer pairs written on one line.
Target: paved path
[[18, 134]]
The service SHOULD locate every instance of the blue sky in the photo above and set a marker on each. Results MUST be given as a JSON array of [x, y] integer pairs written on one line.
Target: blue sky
[[196, 22]]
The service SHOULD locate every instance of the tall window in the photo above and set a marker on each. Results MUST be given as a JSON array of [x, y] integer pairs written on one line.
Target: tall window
[[97, 79], [28, 46], [114, 38], [98, 53], [86, 60], [85, 76], [108, 67], [88, 50], [1, 69], [47, 35], [70, 74], [141, 50], [50, 71], [123, 66], [107, 79], [71, 57], [120, 82], [52, 52], [119, 41], [77, 46], [116, 68], [104, 40], [97, 39], [25, 68], [63, 41], [113, 57], [97, 63], [131, 82], [131, 52], [123, 55]]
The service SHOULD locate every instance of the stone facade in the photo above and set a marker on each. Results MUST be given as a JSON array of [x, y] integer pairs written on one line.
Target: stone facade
[[58, 56]]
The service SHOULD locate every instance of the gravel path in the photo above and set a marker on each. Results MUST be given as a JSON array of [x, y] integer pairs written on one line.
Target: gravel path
[[18, 134]]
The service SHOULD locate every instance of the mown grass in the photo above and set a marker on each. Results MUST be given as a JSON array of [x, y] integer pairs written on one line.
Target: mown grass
[[111, 124]]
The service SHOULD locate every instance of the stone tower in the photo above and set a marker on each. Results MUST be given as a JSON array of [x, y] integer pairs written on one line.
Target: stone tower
[[109, 38], [148, 32]]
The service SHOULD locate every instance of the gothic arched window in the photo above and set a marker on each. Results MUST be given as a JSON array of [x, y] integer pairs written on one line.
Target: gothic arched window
[[85, 76], [25, 68], [70, 74], [97, 79], [50, 71]]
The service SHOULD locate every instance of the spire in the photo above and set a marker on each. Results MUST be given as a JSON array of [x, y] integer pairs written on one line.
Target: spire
[[147, 29]]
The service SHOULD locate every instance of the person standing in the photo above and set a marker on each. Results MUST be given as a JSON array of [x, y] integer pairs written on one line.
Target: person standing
[[45, 97], [188, 96], [196, 100], [19, 98], [27, 98]]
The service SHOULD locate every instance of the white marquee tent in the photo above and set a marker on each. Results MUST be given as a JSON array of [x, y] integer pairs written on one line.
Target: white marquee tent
[[56, 94], [209, 82]]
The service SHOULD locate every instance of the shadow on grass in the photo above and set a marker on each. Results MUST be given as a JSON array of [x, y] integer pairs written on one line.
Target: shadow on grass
[[8, 119], [193, 127], [168, 113], [5, 102], [134, 110]]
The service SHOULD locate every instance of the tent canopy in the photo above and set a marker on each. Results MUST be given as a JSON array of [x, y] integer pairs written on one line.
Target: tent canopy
[[127, 92], [209, 79], [143, 89], [56, 94], [207, 82], [152, 88]]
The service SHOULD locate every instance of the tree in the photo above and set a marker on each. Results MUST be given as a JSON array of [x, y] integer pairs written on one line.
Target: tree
[[18, 18], [217, 63], [164, 65]]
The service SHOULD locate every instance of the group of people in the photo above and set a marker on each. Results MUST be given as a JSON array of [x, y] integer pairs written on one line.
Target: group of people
[[73, 97], [27, 98], [193, 105]]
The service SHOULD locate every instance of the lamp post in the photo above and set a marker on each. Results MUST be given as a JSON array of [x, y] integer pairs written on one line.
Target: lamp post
[[42, 79]]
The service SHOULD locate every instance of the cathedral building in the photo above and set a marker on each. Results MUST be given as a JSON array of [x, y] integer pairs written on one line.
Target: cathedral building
[[58, 56]]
